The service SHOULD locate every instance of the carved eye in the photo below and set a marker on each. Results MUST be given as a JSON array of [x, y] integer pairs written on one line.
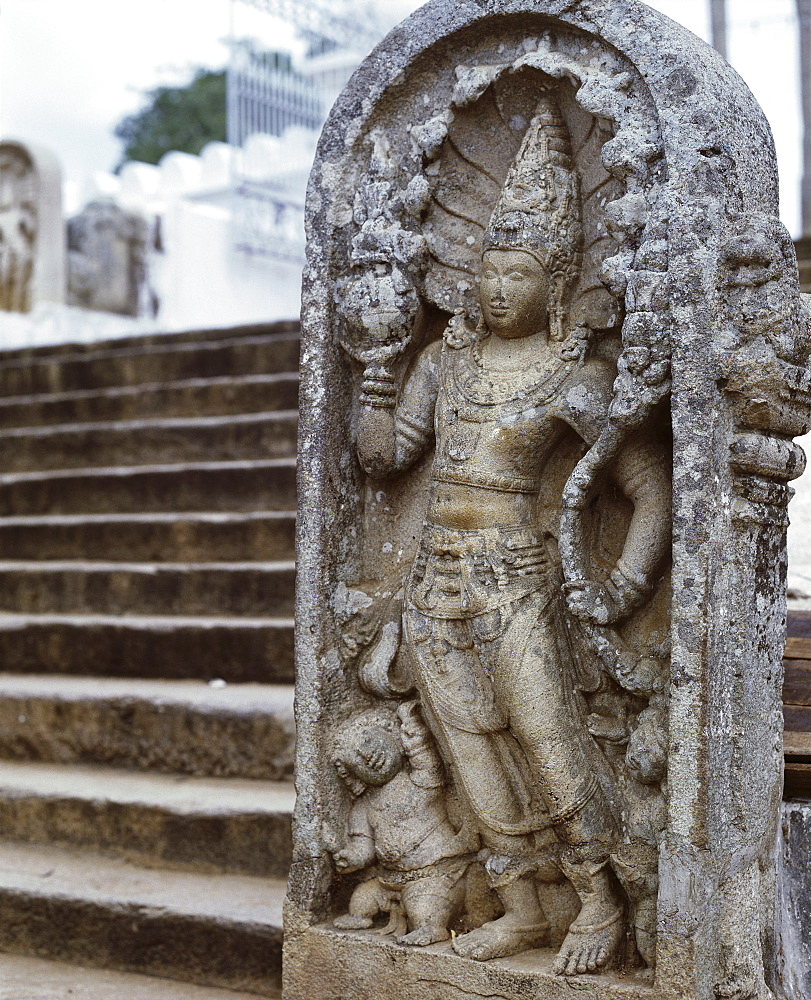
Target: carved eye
[[517, 276]]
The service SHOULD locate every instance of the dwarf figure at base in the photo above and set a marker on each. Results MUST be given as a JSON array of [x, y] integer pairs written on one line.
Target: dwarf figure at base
[[400, 820]]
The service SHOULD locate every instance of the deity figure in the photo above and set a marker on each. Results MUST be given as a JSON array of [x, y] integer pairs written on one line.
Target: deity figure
[[487, 616], [489, 624]]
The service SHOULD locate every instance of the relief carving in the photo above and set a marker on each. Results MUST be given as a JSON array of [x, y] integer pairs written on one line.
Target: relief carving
[[764, 339], [18, 228], [32, 233], [399, 823], [554, 356], [528, 630]]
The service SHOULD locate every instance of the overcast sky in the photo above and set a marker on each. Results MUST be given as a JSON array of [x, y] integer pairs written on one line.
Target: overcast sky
[[70, 69]]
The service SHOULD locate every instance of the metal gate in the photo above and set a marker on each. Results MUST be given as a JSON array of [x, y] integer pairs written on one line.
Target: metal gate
[[268, 96]]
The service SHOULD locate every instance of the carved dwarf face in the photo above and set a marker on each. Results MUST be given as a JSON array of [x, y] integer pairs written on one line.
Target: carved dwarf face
[[514, 293], [372, 755]]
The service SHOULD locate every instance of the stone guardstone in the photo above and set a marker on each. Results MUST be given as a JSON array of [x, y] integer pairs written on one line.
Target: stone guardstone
[[553, 361], [32, 237], [108, 250]]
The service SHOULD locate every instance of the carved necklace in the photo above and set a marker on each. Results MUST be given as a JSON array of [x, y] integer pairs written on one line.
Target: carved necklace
[[482, 384]]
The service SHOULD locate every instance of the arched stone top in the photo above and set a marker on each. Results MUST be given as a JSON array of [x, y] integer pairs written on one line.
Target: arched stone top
[[706, 112]]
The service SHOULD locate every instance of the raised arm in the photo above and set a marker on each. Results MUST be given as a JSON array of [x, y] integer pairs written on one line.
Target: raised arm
[[395, 428]]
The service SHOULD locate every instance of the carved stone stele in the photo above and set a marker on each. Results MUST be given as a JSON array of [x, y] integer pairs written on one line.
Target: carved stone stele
[[553, 359], [107, 259], [32, 238]]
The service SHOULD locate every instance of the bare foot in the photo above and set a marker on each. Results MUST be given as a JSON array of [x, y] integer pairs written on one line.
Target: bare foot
[[589, 947], [500, 938], [422, 936], [349, 923]]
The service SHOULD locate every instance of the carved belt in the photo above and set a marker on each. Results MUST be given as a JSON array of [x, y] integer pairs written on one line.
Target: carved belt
[[452, 867], [484, 480], [462, 573]]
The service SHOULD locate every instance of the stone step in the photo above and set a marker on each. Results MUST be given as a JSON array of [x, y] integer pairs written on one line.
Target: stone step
[[85, 908], [147, 442], [192, 397], [137, 365], [235, 537], [171, 647], [187, 727], [24, 978], [201, 486], [228, 825], [148, 588], [145, 341]]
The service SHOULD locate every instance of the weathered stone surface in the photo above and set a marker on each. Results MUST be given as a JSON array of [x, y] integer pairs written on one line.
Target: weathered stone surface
[[213, 825], [143, 442], [108, 260], [58, 981], [114, 366], [794, 898], [144, 588], [544, 256], [194, 647], [185, 727], [263, 484], [32, 237], [231, 537], [214, 930]]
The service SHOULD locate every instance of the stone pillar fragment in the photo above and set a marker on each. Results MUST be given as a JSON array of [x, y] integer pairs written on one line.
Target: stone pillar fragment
[[553, 360], [108, 251]]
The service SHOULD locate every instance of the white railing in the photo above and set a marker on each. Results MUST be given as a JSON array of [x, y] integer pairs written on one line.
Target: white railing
[[266, 95]]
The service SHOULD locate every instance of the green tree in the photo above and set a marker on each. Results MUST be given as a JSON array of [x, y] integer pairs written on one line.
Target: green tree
[[183, 118]]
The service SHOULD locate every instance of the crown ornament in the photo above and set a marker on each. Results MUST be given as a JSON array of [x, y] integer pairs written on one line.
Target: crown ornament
[[539, 209]]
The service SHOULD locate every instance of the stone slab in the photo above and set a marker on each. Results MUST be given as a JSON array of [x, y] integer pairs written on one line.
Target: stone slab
[[147, 364], [24, 978], [228, 825], [145, 442], [224, 395], [260, 485], [330, 967], [158, 646], [187, 727], [79, 586], [222, 930], [151, 536], [282, 329]]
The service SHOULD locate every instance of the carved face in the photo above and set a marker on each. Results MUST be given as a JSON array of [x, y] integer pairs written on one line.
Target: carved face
[[757, 290], [380, 302], [375, 757], [514, 293]]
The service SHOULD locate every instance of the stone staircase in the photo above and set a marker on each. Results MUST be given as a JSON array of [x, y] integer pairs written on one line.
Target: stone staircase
[[147, 509]]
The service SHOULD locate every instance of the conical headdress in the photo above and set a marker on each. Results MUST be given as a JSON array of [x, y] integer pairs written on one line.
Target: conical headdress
[[539, 209]]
